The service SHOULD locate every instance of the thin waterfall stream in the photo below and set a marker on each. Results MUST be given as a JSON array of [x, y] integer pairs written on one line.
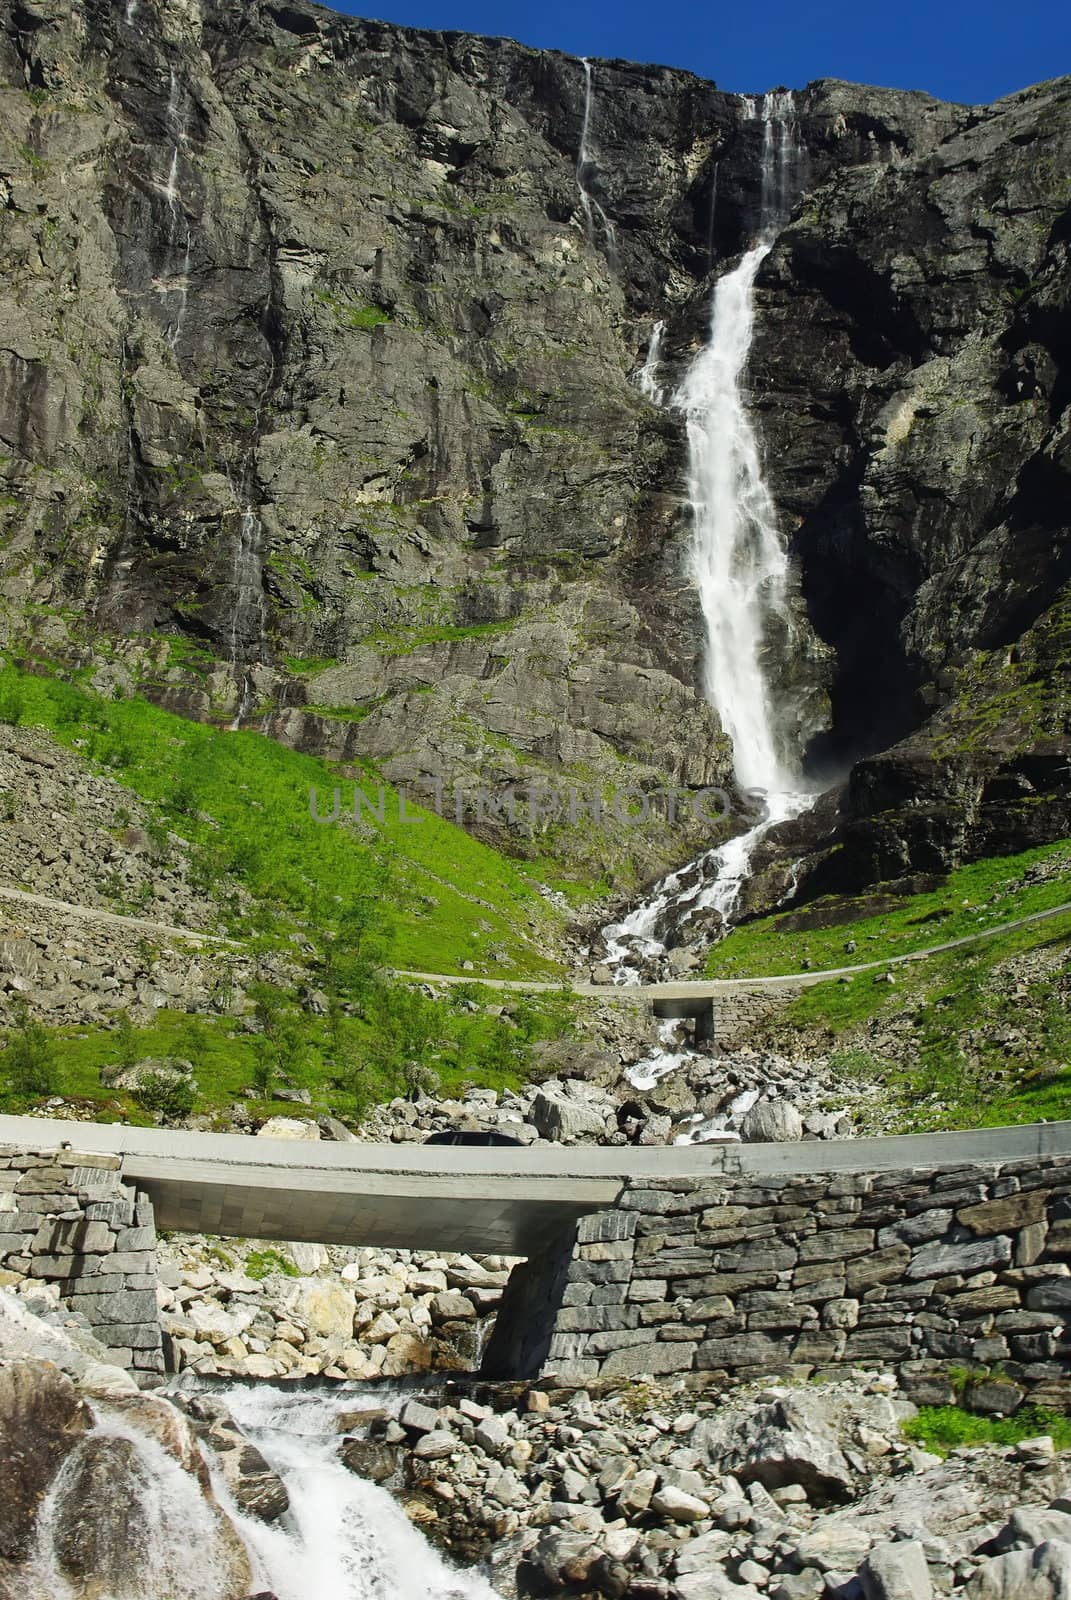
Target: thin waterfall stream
[[740, 567], [587, 171]]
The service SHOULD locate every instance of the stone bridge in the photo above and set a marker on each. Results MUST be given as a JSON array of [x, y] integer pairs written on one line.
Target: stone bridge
[[919, 1252]]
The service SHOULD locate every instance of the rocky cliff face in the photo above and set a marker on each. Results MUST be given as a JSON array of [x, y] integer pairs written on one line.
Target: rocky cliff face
[[319, 401]]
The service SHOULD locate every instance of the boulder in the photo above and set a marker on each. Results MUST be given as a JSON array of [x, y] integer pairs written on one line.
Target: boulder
[[771, 1122], [1043, 1573], [288, 1128], [564, 1118], [42, 1419], [896, 1571]]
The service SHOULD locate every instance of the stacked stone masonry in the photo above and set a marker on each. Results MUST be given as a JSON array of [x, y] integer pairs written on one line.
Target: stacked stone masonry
[[67, 1219], [950, 1277]]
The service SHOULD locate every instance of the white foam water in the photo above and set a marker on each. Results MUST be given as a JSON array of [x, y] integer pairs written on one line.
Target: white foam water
[[342, 1538], [647, 378], [586, 167]]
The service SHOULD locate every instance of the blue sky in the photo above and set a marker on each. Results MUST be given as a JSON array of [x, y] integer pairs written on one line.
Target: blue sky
[[970, 50]]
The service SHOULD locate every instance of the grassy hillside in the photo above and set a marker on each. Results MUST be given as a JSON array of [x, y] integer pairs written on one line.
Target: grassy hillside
[[440, 897], [324, 907], [848, 932], [979, 1037]]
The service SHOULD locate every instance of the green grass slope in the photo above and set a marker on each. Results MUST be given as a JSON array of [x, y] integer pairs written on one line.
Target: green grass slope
[[325, 908], [835, 933], [441, 898]]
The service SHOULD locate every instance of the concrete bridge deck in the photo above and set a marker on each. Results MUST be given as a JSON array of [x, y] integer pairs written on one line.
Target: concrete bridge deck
[[447, 1197]]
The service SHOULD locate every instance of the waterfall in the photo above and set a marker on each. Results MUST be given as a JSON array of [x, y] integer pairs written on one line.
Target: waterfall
[[740, 569], [342, 1537], [647, 379], [174, 283], [156, 1535], [586, 172]]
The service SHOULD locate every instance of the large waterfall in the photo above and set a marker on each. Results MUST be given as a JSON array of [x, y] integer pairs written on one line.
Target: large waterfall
[[741, 571]]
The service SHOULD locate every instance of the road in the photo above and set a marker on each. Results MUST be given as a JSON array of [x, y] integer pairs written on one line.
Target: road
[[509, 1200]]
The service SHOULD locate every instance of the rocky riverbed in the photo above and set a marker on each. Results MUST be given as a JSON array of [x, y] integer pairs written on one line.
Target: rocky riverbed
[[646, 1490], [242, 1309]]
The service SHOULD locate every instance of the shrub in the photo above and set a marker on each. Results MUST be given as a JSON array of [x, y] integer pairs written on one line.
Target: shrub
[[28, 1064], [164, 1094], [943, 1428]]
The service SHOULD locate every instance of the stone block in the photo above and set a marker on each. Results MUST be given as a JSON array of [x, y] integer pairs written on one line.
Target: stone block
[[919, 1229], [116, 1213], [837, 1244], [880, 1267], [745, 1350], [1054, 1295], [43, 1181], [126, 1306], [755, 1259], [1005, 1215], [137, 1335], [648, 1289], [609, 1250], [935, 1260], [605, 1226], [136, 1239], [710, 1308], [600, 1344], [996, 1297], [649, 1359], [134, 1261], [812, 1348], [78, 1237], [592, 1318], [725, 1218], [96, 1283], [878, 1344]]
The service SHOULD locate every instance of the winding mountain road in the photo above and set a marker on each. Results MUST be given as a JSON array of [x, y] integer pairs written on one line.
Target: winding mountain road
[[683, 989], [704, 988]]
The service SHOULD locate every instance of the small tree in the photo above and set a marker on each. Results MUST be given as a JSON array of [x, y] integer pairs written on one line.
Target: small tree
[[28, 1063], [126, 1039], [280, 1044], [265, 1066]]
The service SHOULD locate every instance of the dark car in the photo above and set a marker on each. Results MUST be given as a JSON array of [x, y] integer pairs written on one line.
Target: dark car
[[471, 1136]]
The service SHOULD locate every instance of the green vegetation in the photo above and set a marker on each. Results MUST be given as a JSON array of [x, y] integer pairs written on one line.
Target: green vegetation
[[972, 898], [28, 1064], [400, 643], [350, 315], [944, 1428], [371, 1041], [332, 901], [259, 1264], [982, 1051], [244, 804]]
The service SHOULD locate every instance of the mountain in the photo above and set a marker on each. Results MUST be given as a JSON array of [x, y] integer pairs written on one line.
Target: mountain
[[321, 412]]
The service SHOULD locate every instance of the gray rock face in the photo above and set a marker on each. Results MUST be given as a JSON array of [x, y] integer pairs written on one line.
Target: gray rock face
[[381, 468]]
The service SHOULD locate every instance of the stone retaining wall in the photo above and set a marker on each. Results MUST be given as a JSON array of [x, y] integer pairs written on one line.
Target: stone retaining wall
[[738, 1011], [932, 1273], [67, 1219]]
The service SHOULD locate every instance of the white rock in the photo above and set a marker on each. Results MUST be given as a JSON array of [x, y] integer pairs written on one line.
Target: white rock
[[678, 1505], [288, 1128]]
